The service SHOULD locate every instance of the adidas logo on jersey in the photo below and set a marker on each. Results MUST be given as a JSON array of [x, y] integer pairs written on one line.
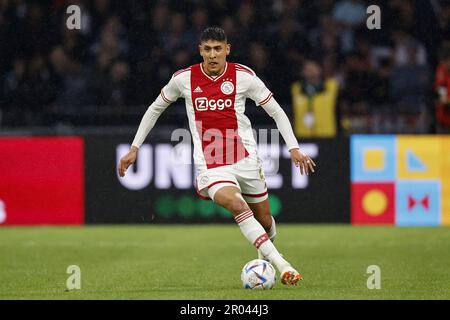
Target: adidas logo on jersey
[[198, 90]]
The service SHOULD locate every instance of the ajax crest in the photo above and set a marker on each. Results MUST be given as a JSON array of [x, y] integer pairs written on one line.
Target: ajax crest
[[227, 87], [204, 180]]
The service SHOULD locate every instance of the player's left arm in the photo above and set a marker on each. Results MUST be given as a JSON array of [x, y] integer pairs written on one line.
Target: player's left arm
[[258, 92], [300, 159]]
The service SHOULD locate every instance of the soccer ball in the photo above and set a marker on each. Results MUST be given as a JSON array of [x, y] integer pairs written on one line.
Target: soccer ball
[[258, 274]]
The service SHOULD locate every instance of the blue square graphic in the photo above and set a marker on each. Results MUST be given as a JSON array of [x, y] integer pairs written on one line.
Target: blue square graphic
[[385, 145], [418, 203]]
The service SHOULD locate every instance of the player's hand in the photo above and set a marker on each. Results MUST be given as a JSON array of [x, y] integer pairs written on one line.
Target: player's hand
[[303, 161], [127, 160]]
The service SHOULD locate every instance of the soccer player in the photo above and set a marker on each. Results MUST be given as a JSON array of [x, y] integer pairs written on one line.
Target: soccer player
[[229, 170]]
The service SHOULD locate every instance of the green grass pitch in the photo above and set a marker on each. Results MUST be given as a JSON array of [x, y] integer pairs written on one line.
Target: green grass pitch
[[204, 262]]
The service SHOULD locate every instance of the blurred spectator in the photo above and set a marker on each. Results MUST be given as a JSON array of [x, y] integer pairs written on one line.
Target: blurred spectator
[[409, 85], [34, 31], [444, 22], [125, 52], [27, 89], [382, 112], [260, 62], [180, 58], [354, 95], [403, 14], [289, 47], [113, 88], [178, 35], [112, 41], [442, 88], [348, 15], [73, 83], [14, 90], [314, 102], [403, 42], [199, 20], [236, 38], [101, 11], [75, 44], [323, 38]]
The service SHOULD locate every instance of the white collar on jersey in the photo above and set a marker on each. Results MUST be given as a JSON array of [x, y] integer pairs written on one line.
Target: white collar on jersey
[[217, 77]]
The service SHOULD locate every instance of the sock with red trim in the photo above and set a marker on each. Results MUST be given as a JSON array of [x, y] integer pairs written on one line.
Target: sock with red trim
[[256, 234]]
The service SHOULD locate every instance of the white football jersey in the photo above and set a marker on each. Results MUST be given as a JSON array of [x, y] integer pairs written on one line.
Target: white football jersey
[[215, 107]]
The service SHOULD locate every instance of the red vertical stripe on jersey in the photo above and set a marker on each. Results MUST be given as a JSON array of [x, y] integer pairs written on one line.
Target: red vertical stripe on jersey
[[215, 117]]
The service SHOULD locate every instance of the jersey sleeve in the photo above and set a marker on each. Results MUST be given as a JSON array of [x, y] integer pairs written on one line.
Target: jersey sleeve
[[258, 92], [171, 91]]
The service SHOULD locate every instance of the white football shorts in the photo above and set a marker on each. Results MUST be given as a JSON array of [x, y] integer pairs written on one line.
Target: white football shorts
[[246, 174]]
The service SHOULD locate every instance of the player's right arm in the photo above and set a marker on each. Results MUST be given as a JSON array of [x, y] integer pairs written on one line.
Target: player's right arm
[[169, 94]]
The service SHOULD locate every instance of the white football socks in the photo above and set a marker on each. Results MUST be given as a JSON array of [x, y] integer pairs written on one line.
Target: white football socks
[[273, 230], [256, 234], [272, 233]]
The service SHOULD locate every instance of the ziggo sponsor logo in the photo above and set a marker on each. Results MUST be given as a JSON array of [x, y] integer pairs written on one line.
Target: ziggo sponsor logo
[[203, 104]]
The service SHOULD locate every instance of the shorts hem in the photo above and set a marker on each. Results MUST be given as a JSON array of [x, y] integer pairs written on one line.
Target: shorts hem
[[203, 192], [255, 198]]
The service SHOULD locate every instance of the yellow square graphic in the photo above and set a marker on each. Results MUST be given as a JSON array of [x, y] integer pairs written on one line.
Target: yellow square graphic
[[374, 159], [445, 173]]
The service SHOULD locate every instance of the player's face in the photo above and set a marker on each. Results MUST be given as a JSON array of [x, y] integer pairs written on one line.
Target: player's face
[[214, 55]]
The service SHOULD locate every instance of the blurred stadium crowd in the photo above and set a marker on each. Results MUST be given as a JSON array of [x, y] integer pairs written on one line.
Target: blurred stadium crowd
[[110, 70]]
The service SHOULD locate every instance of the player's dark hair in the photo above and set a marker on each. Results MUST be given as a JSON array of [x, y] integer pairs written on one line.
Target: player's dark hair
[[213, 33]]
